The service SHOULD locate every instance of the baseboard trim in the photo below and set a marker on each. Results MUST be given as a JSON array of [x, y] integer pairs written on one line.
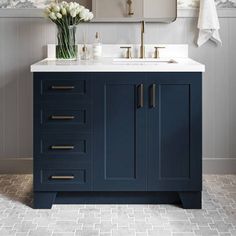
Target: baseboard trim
[[16, 166], [219, 166], [210, 166]]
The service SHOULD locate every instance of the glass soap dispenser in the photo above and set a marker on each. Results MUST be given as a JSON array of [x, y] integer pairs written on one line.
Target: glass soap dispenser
[[97, 47]]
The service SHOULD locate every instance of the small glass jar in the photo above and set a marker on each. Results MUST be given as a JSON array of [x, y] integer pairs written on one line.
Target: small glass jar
[[84, 53]]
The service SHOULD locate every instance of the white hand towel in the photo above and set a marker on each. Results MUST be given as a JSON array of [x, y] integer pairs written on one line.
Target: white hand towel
[[208, 23]]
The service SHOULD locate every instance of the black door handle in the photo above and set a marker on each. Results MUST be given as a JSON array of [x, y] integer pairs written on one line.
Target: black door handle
[[152, 96], [140, 95]]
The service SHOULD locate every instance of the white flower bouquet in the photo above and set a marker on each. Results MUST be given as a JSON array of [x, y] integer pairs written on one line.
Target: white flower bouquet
[[66, 16]]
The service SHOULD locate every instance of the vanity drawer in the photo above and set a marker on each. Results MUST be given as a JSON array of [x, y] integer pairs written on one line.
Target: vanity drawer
[[57, 118], [64, 147], [71, 179], [62, 86]]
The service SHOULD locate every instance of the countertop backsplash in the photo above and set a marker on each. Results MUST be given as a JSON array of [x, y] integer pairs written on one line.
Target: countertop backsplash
[[43, 3]]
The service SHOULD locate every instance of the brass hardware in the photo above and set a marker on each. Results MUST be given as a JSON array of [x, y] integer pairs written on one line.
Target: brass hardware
[[58, 87], [128, 52], [157, 52], [130, 10], [142, 47], [62, 117], [65, 147], [153, 95], [62, 177], [140, 96]]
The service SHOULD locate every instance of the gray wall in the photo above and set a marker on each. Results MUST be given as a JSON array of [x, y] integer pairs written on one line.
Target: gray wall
[[23, 40]]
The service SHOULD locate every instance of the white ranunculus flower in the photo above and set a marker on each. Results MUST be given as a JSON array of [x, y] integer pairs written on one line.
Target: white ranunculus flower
[[84, 14], [63, 11], [52, 16], [52, 5], [88, 16], [71, 6], [79, 9], [56, 8], [75, 4], [73, 13], [59, 15], [91, 15], [64, 3]]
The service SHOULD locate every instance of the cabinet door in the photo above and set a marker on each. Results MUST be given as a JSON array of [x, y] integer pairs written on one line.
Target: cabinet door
[[119, 162], [174, 125]]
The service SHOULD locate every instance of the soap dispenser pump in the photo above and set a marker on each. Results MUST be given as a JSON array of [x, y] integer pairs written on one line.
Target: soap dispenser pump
[[97, 47]]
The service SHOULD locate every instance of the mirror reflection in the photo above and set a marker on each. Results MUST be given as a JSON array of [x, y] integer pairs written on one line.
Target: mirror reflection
[[132, 10]]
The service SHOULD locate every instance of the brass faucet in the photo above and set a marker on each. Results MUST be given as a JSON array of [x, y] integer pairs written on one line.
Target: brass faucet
[[130, 10], [142, 47]]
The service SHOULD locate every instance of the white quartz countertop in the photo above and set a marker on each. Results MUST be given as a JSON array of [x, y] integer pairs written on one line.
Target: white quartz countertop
[[108, 65]]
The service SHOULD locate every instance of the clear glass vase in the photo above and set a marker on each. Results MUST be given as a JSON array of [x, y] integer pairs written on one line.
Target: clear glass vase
[[66, 37]]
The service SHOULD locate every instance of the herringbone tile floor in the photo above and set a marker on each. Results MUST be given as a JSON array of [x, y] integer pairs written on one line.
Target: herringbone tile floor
[[218, 216]]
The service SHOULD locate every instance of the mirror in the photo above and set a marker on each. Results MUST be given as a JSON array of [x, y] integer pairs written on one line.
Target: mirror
[[134, 10]]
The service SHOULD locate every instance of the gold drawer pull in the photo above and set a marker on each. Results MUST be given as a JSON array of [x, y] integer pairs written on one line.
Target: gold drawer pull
[[62, 177], [57, 87], [62, 117], [54, 147]]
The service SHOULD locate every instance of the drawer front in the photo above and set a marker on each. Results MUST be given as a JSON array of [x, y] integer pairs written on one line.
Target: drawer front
[[71, 179], [56, 119], [62, 85], [64, 147]]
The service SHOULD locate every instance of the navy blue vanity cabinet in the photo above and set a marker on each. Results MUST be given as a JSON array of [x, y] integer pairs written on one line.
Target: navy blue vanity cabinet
[[118, 137], [119, 132]]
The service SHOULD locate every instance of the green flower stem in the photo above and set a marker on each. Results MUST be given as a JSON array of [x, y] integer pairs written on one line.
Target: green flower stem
[[66, 48]]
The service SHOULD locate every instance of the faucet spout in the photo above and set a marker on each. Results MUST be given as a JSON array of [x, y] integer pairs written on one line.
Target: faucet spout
[[142, 47]]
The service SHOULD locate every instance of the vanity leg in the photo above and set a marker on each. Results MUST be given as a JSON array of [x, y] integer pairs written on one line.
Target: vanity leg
[[191, 200], [44, 200]]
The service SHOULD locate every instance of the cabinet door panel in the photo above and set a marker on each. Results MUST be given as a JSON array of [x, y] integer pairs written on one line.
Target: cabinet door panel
[[119, 129], [175, 131], [175, 134]]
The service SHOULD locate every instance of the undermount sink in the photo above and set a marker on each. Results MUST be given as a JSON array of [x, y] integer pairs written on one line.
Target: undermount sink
[[143, 61]]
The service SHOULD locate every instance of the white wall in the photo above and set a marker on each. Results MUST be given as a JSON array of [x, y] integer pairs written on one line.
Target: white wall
[[23, 40]]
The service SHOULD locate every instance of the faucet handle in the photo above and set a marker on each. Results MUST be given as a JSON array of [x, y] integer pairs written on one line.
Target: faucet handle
[[157, 53], [128, 52]]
